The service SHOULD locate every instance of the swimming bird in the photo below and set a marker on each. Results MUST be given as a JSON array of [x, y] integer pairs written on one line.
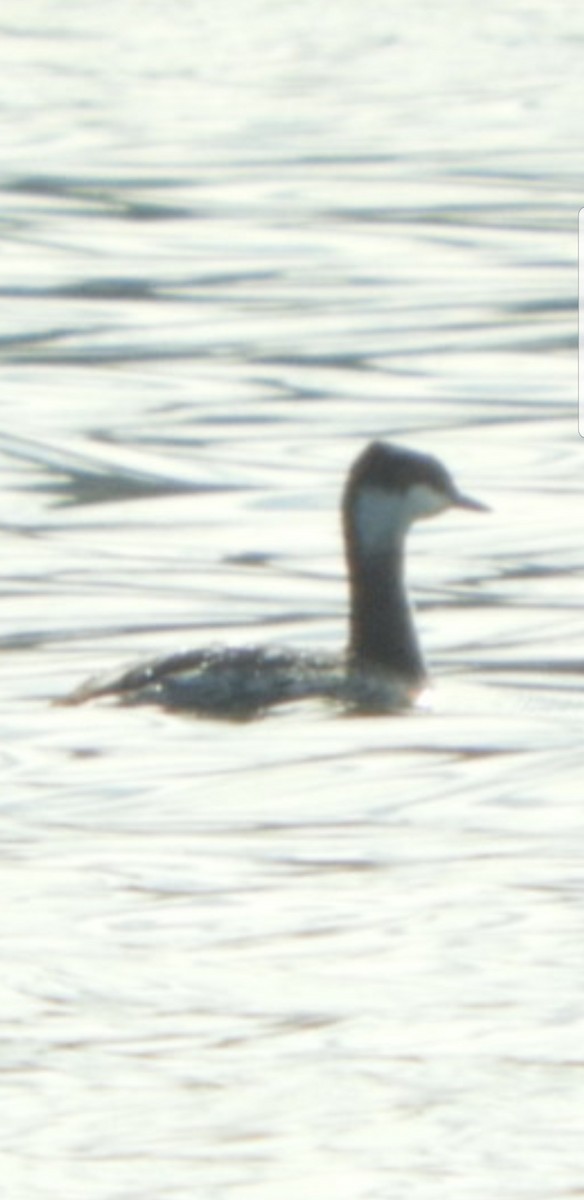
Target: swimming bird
[[387, 489]]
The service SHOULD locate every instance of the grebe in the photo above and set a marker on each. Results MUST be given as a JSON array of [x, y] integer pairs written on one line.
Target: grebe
[[388, 488]]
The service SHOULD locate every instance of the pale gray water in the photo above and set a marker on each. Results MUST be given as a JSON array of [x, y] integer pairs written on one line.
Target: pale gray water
[[307, 954]]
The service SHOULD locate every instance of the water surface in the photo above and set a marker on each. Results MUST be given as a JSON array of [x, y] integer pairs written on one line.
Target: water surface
[[306, 952]]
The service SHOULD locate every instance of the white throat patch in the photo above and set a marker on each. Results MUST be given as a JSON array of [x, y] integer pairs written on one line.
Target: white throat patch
[[382, 517]]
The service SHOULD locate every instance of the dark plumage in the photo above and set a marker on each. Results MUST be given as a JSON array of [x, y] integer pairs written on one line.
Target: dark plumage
[[387, 488]]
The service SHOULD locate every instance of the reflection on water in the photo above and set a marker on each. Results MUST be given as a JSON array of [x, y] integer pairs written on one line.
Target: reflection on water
[[309, 951]]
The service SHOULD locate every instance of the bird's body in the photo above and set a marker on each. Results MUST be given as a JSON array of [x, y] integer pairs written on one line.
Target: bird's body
[[383, 669]]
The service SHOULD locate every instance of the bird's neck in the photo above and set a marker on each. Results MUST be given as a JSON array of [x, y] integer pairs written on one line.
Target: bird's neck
[[382, 634]]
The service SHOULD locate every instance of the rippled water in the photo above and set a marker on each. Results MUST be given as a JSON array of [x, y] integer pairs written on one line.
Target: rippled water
[[304, 953]]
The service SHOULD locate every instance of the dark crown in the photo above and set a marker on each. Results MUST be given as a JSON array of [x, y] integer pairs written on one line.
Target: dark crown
[[384, 465]]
